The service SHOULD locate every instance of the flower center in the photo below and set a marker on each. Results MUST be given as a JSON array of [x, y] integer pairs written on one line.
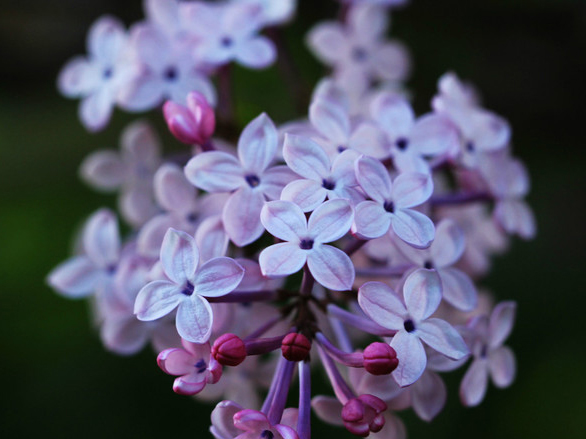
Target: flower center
[[252, 180], [409, 325], [402, 143], [428, 265], [484, 351], [389, 206], [306, 244], [341, 148], [267, 434], [188, 289], [470, 147], [359, 54], [328, 184], [201, 366], [191, 217], [108, 72], [226, 41], [170, 73]]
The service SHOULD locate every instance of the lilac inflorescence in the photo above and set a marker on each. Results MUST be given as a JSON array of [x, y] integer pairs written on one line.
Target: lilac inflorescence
[[391, 219]]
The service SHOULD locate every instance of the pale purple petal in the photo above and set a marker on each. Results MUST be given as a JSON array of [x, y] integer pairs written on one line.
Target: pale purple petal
[[490, 132], [76, 277], [223, 418], [448, 245], [256, 53], [179, 256], [382, 305], [151, 235], [367, 22], [458, 289], [218, 277], [330, 120], [394, 114], [501, 323], [515, 216], [141, 145], [502, 366], [392, 61], [172, 190], [413, 227], [95, 110], [371, 220], [77, 78], [273, 181], [433, 134], [103, 170], [474, 384], [429, 395], [101, 239], [284, 220], [241, 216], [330, 221], [105, 38], [423, 293], [157, 299], [124, 336], [441, 336], [194, 319], [327, 41], [282, 259], [184, 386], [137, 205], [412, 359], [145, 91], [331, 267], [328, 409], [211, 238], [374, 178], [411, 189], [286, 432], [307, 194], [258, 144], [305, 157], [215, 171], [251, 420], [176, 361]]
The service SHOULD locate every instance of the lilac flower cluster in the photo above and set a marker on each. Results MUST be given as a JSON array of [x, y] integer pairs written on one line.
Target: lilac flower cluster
[[352, 240]]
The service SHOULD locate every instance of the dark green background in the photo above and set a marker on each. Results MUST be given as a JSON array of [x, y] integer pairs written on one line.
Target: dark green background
[[528, 58]]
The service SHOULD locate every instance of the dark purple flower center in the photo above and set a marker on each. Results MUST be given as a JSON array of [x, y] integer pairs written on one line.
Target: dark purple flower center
[[108, 72], [252, 180], [201, 366], [389, 206], [188, 289], [328, 184], [306, 244], [428, 265], [402, 143], [226, 41], [359, 54], [170, 73], [484, 351], [341, 148], [267, 434], [192, 217], [111, 269], [409, 325], [470, 147]]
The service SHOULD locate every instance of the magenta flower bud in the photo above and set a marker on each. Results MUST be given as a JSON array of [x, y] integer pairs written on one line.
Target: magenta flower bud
[[380, 359], [192, 124], [295, 347], [229, 350], [362, 415]]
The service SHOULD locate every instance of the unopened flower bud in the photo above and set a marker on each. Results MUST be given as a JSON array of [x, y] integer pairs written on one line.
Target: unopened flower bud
[[295, 347], [362, 415], [229, 350], [380, 358], [192, 124]]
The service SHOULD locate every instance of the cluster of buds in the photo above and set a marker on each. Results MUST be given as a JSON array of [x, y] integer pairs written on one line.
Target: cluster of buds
[[292, 247]]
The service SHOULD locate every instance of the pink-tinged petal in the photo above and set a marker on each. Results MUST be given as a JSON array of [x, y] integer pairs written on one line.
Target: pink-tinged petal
[[367, 22], [502, 366], [458, 289], [374, 178], [429, 395], [382, 305], [76, 277], [393, 429], [433, 134], [172, 190], [282, 259], [307, 194], [151, 235], [145, 91], [151, 45], [218, 277], [251, 420], [136, 205], [96, 109], [256, 53], [215, 171], [501, 323], [77, 78], [211, 238], [290, 417], [411, 189], [327, 40], [179, 256], [176, 361], [331, 267], [490, 132], [392, 61], [106, 38], [305, 157], [195, 83], [273, 181], [241, 216], [163, 13], [371, 220], [101, 239], [423, 293], [157, 299], [286, 432], [474, 384], [258, 144], [328, 409], [516, 217], [103, 170], [448, 245], [441, 336], [413, 227], [194, 319], [412, 359], [330, 221], [284, 220], [124, 336], [394, 114], [182, 386], [223, 418], [330, 120], [141, 145]]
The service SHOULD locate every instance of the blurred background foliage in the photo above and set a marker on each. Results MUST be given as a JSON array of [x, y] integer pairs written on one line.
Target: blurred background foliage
[[528, 57]]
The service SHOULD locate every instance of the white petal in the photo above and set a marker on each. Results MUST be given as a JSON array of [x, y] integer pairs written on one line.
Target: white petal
[[96, 109], [215, 171], [371, 220], [433, 134], [282, 259], [307, 194], [413, 227], [423, 293], [331, 267], [77, 78], [106, 38], [330, 120], [501, 323], [394, 114], [218, 277], [157, 299], [273, 181], [194, 319], [179, 256], [306, 157], [448, 245], [76, 277], [441, 336], [473, 386], [411, 356], [101, 238], [172, 190], [382, 305], [284, 220], [145, 91], [502, 366], [211, 238], [241, 216], [458, 289], [256, 53], [411, 189], [374, 178], [258, 144], [330, 221]]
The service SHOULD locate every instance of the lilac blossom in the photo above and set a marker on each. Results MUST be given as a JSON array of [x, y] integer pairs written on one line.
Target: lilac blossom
[[187, 287]]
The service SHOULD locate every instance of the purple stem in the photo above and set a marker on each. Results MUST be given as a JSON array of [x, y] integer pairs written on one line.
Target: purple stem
[[461, 198], [347, 359], [359, 322], [281, 391], [244, 296], [307, 282], [341, 389], [304, 419], [341, 334], [208, 146], [264, 328], [261, 346], [399, 270], [271, 393], [225, 107]]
